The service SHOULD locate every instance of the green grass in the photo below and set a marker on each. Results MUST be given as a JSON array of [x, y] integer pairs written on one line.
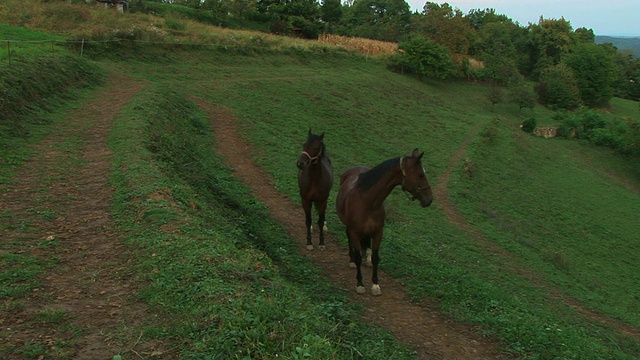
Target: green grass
[[18, 43], [212, 260], [231, 283], [541, 201]]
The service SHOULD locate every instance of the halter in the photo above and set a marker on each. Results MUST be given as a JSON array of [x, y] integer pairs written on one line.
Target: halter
[[312, 159]]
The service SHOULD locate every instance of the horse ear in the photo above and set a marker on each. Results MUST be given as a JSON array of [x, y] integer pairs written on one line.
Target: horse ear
[[322, 136], [309, 134], [414, 153]]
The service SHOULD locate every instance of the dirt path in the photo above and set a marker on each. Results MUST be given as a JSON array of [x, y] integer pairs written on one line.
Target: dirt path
[[85, 307], [420, 326]]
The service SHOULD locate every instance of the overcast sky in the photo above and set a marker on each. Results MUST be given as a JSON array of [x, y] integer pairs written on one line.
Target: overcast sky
[[604, 17]]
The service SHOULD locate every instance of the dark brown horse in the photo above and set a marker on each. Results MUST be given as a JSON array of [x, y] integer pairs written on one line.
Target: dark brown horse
[[315, 178], [360, 205]]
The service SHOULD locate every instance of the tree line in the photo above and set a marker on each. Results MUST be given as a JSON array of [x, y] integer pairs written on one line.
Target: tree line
[[547, 62], [570, 69]]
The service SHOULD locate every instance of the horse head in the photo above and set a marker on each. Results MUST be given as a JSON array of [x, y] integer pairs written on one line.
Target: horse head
[[312, 150], [414, 178]]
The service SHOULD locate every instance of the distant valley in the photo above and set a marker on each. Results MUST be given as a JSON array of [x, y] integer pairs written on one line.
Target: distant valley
[[622, 43]]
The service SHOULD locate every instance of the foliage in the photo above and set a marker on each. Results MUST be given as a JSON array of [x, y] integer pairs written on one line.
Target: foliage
[[558, 88], [424, 57], [495, 95], [529, 125], [594, 69], [619, 134], [445, 26], [522, 93], [497, 51], [386, 20], [546, 43]]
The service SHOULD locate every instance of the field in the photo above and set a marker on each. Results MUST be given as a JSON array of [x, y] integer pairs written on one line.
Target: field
[[530, 248]]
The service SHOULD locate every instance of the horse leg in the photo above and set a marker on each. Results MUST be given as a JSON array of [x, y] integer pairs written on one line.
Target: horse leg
[[352, 258], [375, 260], [306, 205], [356, 255], [366, 245], [321, 222]]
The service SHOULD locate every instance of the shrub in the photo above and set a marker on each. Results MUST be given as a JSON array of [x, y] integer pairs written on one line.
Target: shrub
[[529, 125], [423, 57], [558, 88], [522, 94]]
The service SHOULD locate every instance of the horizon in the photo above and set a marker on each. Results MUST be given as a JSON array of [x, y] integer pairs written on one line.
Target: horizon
[[616, 19]]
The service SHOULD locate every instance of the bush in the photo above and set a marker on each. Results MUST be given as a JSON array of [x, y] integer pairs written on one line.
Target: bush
[[558, 88], [606, 137], [529, 125], [423, 57]]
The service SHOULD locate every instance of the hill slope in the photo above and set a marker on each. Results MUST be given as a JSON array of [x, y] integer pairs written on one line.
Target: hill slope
[[514, 245]]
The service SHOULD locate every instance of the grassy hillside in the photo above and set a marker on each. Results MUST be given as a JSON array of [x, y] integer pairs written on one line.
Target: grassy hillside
[[546, 221]]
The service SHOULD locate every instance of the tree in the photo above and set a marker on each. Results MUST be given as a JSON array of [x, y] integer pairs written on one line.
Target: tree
[[303, 14], [522, 93], [584, 35], [424, 57], [545, 44], [558, 87], [495, 95], [386, 20], [446, 26], [331, 12], [240, 8], [595, 71]]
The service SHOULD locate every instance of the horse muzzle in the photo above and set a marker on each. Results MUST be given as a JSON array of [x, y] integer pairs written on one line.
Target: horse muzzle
[[425, 197]]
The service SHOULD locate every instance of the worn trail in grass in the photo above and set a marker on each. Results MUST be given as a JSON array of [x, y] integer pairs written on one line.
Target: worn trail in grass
[[419, 325], [83, 305]]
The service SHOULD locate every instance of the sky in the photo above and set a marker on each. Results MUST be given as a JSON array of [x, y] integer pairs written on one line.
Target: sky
[[604, 17]]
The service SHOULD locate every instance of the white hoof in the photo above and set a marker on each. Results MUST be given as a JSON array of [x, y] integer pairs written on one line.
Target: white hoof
[[360, 290], [352, 265], [309, 247], [375, 290], [321, 247]]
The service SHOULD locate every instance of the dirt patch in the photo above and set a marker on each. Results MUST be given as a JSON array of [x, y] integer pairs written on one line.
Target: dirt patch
[[421, 326], [60, 211]]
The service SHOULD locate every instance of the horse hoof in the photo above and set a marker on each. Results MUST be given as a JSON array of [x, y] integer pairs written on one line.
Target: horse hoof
[[375, 290], [360, 290], [352, 265], [321, 247], [309, 247]]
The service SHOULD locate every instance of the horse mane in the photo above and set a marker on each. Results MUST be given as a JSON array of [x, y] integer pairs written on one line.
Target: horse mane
[[369, 178]]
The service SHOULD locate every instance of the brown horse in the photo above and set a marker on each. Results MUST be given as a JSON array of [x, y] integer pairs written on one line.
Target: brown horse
[[315, 178], [360, 205]]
